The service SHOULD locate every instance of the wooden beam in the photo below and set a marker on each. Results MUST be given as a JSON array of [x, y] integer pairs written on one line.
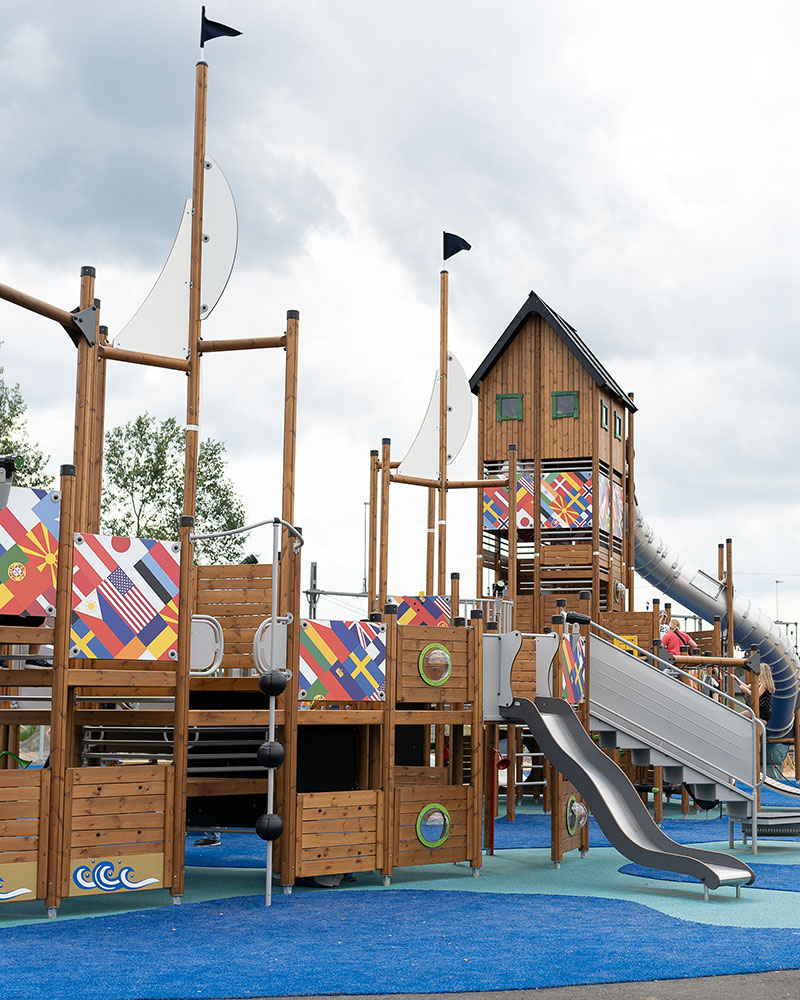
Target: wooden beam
[[241, 344], [139, 358], [34, 305]]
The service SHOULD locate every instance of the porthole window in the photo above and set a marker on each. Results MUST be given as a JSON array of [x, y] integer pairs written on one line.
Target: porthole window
[[433, 825], [435, 664], [565, 404]]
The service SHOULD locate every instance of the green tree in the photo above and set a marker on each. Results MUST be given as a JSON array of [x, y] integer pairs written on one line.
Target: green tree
[[143, 488], [14, 437]]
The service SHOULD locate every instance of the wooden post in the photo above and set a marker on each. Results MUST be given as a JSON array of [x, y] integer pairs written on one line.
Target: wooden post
[[455, 595], [98, 434], [511, 773], [388, 741], [512, 532], [286, 804], [286, 602], [479, 505], [60, 692], [729, 591], [372, 565], [442, 578], [430, 546], [476, 738], [84, 385], [383, 584], [191, 453]]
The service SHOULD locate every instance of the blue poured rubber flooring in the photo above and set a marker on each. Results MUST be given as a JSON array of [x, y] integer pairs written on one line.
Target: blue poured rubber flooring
[[358, 942]]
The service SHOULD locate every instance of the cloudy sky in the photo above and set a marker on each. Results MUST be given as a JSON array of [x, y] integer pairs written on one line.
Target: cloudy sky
[[634, 164]]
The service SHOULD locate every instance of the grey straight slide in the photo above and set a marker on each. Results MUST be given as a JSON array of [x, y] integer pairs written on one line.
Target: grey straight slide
[[612, 799]]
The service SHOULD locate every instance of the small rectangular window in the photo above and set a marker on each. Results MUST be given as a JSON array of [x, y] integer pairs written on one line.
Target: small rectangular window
[[509, 406], [565, 404], [618, 426], [604, 415]]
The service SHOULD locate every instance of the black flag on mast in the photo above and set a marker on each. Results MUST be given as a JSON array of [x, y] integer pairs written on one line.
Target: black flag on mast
[[213, 29], [452, 244]]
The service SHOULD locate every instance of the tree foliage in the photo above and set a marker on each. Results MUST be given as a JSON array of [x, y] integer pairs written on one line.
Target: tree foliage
[[143, 487], [14, 437]]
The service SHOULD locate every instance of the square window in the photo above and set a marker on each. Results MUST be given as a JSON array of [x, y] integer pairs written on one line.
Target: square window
[[604, 415], [565, 404], [509, 406], [618, 426]]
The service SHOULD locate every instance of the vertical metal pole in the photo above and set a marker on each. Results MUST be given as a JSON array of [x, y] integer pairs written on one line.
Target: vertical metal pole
[[276, 548]]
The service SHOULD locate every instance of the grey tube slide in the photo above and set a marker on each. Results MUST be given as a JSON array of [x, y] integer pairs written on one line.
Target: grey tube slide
[[612, 799], [704, 595]]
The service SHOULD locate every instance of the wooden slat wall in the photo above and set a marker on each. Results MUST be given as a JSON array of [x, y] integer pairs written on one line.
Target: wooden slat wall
[[523, 672], [412, 639], [339, 832], [117, 812], [515, 372], [23, 823], [562, 372], [240, 598], [634, 623], [408, 803]]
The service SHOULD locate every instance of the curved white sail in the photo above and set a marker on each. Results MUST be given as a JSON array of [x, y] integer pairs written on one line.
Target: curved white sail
[[422, 459], [161, 324]]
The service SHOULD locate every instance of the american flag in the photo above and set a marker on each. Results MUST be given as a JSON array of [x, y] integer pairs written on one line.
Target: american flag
[[127, 600]]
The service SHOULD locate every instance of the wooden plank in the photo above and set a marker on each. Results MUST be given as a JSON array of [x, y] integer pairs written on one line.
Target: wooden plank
[[122, 821], [362, 839], [438, 856], [120, 774], [226, 786], [24, 717], [331, 800], [15, 857], [114, 718], [432, 716], [206, 607], [117, 790], [230, 717], [102, 805], [121, 680], [238, 571], [29, 842], [345, 716], [27, 677], [102, 839], [240, 595], [307, 869], [13, 635], [80, 852], [340, 851], [357, 824]]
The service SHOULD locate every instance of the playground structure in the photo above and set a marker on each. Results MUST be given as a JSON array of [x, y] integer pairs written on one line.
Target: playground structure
[[385, 758]]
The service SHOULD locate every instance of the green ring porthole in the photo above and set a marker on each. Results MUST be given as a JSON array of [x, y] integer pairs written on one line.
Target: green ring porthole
[[426, 819], [572, 819], [432, 673]]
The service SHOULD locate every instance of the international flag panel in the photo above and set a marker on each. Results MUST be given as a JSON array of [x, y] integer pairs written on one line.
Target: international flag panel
[[566, 500], [125, 598], [604, 502], [29, 551], [573, 658], [618, 510], [342, 661], [430, 610]]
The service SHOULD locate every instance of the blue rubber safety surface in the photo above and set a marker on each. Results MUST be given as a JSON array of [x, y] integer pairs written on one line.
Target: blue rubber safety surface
[[356, 942]]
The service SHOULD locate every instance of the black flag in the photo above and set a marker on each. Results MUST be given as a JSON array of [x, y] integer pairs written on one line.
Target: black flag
[[452, 244], [213, 29]]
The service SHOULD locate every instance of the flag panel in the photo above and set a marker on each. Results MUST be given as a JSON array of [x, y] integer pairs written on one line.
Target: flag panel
[[125, 598], [342, 661], [566, 500], [29, 551]]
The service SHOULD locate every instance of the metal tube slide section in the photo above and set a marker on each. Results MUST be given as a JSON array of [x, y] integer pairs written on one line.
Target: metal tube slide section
[[612, 799], [704, 595]]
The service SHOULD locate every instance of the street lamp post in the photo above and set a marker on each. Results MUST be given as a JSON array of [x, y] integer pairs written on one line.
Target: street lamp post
[[777, 612]]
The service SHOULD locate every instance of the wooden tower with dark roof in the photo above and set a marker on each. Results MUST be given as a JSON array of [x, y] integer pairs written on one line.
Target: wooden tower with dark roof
[[541, 388]]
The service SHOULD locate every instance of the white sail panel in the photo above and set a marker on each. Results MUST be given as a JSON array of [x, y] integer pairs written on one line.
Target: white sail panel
[[161, 324], [422, 458]]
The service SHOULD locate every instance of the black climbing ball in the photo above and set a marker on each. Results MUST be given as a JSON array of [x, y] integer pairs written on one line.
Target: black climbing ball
[[271, 754], [272, 683], [269, 826]]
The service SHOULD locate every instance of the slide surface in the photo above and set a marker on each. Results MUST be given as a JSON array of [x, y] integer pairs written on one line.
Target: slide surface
[[704, 595], [612, 799]]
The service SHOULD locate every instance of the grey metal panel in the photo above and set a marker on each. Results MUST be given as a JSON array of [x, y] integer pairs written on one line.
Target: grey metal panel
[[681, 580], [613, 801], [659, 711]]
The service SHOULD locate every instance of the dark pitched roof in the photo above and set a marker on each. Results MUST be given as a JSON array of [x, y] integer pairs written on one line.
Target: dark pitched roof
[[534, 306]]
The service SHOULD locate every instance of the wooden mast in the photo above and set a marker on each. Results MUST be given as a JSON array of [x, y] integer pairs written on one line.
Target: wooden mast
[[192, 449], [443, 299]]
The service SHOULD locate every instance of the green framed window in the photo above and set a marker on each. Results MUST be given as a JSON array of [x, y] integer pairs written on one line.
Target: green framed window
[[565, 404], [433, 825], [618, 426], [435, 664], [604, 415], [509, 406]]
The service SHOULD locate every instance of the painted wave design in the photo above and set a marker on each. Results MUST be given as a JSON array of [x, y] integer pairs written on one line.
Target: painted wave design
[[4, 896], [102, 877]]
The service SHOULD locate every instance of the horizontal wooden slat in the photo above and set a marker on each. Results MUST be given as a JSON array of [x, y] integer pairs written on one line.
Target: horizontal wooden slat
[[116, 837], [230, 717], [118, 820], [353, 838], [24, 635], [242, 571], [433, 856], [24, 717], [77, 853], [432, 716], [26, 677], [16, 856], [101, 806], [343, 717], [323, 823], [340, 851], [333, 866], [18, 810], [331, 800], [114, 718], [121, 774], [121, 680], [21, 843], [226, 786], [117, 789], [26, 782], [337, 814], [19, 827]]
